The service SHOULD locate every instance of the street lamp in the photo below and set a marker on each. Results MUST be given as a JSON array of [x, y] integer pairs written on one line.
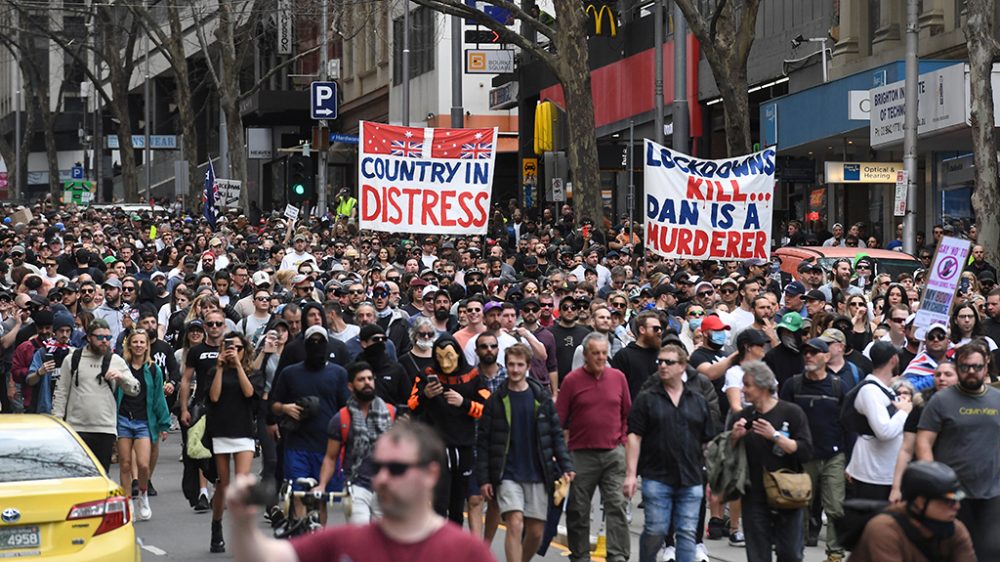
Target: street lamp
[[798, 41]]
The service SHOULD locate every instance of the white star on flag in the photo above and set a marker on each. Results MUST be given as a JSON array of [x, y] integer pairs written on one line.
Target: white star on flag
[[409, 134], [478, 136]]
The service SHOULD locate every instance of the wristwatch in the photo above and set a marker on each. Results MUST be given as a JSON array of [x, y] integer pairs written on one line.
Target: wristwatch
[[777, 435]]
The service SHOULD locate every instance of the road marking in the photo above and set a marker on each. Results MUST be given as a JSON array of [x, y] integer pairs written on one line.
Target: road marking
[[154, 550]]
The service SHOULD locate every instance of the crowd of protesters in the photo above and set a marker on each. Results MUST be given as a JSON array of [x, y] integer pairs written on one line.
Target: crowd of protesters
[[551, 352]]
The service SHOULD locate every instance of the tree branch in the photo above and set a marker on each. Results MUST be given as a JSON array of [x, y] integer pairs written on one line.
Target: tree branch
[[715, 18], [276, 69], [746, 31], [509, 36]]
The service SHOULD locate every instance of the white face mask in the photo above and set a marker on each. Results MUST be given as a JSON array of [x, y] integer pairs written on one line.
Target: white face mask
[[425, 344]]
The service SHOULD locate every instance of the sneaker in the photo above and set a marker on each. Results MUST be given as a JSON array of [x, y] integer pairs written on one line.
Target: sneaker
[[716, 528], [700, 553], [150, 489], [135, 488], [144, 511], [737, 539], [834, 557], [203, 504], [668, 554]]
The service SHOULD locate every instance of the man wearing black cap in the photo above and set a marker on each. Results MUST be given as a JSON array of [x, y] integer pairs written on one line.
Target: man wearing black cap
[[810, 274], [815, 302], [820, 393], [391, 383], [873, 461], [794, 293]]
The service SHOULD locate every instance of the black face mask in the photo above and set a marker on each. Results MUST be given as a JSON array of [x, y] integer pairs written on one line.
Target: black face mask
[[941, 529], [375, 350], [315, 353], [441, 314], [473, 289]]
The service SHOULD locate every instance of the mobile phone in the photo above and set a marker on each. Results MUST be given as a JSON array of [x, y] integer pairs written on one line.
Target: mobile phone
[[432, 379], [48, 357], [963, 286], [586, 231]]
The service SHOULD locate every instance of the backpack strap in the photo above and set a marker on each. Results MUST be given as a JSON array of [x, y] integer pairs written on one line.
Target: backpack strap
[[75, 365], [930, 548], [105, 365], [796, 382]]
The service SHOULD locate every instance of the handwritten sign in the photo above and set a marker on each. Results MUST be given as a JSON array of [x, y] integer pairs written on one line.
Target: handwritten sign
[[708, 209], [942, 282]]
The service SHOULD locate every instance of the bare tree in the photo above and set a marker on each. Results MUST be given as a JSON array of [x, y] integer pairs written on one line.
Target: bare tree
[[983, 49], [725, 38], [568, 58]]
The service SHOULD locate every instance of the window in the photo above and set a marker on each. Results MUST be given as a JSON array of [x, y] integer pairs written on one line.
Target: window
[[422, 41], [42, 454]]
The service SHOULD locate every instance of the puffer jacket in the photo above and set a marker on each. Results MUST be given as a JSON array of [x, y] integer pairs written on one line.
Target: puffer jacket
[[493, 439], [87, 402]]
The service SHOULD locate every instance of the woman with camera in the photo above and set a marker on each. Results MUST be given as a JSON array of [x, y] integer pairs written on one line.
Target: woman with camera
[[230, 424]]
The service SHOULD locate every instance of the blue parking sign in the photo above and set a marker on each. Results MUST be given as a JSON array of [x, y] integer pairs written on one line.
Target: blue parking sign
[[323, 100]]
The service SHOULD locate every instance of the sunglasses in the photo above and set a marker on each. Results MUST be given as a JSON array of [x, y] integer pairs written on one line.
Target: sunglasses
[[530, 309], [395, 468], [971, 367], [936, 336], [727, 291], [569, 307], [706, 293], [215, 324], [262, 299], [488, 346], [667, 362], [103, 338], [86, 290], [696, 314], [656, 329], [380, 294], [897, 320], [546, 305], [426, 335]]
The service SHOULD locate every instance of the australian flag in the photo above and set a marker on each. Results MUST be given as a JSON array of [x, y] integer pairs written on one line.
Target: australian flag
[[209, 195]]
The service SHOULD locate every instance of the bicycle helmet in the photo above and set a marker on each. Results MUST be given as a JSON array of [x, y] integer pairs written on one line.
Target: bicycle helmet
[[931, 480]]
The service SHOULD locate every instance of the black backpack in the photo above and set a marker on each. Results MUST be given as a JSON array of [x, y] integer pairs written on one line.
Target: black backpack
[[854, 421], [858, 512], [74, 372]]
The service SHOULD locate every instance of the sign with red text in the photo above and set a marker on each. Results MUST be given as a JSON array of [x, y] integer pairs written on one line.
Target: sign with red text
[[942, 281], [708, 209], [428, 181]]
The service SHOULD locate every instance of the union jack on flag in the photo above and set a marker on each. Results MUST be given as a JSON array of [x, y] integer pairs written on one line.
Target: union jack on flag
[[477, 150], [408, 149]]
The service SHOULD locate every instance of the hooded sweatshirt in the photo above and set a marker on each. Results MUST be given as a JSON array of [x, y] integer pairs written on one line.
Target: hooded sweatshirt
[[87, 402]]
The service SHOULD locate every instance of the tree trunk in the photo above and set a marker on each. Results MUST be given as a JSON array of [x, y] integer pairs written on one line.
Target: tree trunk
[[573, 71], [185, 105], [229, 96], [119, 72], [51, 151], [735, 102], [986, 195]]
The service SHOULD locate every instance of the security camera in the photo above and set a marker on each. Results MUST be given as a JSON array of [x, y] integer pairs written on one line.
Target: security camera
[[798, 41]]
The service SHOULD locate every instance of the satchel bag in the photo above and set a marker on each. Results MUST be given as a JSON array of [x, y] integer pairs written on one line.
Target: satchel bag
[[787, 490], [195, 447]]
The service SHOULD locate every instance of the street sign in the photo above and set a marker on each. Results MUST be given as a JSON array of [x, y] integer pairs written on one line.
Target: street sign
[[481, 36], [323, 100], [492, 61], [899, 205], [77, 172], [346, 139]]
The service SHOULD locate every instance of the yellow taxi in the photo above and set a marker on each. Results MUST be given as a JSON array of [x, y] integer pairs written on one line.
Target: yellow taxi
[[56, 502]]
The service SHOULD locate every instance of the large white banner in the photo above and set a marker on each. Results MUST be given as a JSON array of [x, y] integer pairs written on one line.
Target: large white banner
[[708, 209], [428, 181]]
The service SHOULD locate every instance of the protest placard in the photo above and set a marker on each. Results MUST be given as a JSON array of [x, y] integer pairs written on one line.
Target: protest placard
[[942, 281], [428, 181], [708, 209]]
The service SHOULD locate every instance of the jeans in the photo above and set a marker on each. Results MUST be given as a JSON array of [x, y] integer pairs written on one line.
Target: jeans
[[828, 484], [980, 517], [604, 468], [764, 527], [666, 503]]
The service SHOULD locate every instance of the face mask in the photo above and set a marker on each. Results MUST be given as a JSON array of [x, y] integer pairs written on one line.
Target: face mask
[[694, 324], [441, 314], [790, 341], [375, 349], [941, 529], [315, 353], [473, 289], [717, 339], [425, 344]]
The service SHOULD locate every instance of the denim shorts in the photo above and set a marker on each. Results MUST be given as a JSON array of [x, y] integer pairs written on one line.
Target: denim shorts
[[132, 429], [307, 464]]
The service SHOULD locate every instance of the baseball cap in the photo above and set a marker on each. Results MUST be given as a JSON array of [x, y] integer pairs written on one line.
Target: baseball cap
[[755, 262], [815, 295], [158, 274], [791, 321], [428, 291], [713, 324], [751, 336], [492, 305], [703, 285], [261, 278], [937, 326], [112, 282], [299, 238], [808, 265], [368, 331], [317, 329], [417, 283], [833, 335], [300, 279], [795, 289], [818, 344]]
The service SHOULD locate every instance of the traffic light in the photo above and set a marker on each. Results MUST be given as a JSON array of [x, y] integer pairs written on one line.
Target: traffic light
[[300, 179]]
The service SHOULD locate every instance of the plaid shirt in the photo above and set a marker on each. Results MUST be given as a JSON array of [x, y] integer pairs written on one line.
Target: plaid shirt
[[493, 384]]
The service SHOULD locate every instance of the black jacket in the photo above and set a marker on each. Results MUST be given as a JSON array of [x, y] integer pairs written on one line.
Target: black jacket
[[637, 363], [493, 438], [697, 383]]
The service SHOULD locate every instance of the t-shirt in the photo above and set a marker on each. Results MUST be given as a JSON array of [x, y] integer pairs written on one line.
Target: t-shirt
[[232, 415], [329, 385], [523, 463], [134, 407], [370, 543], [567, 340], [967, 428], [760, 449], [734, 379], [202, 358]]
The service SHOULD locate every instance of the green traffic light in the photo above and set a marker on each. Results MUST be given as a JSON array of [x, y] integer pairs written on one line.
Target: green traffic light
[[299, 189]]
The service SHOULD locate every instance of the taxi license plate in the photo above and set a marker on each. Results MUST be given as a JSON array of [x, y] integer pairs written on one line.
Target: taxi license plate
[[19, 537]]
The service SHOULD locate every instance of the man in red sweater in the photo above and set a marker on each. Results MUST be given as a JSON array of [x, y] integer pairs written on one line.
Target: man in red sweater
[[593, 404]]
